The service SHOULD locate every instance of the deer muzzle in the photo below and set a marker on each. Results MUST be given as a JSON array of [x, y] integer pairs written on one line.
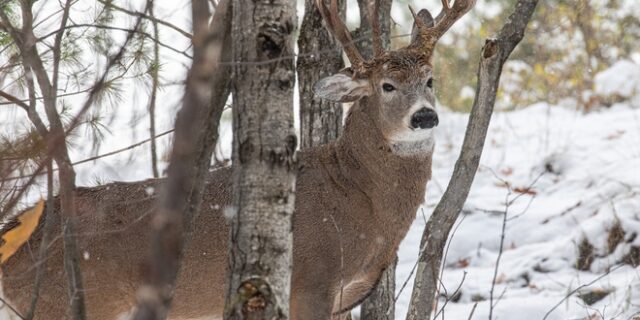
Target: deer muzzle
[[424, 118]]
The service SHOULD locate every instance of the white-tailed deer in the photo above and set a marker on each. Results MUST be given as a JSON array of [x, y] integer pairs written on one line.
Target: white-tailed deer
[[355, 200]]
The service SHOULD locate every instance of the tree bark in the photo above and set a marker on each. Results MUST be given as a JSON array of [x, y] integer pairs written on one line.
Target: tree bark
[[380, 305], [260, 243], [205, 95], [319, 56], [362, 35], [494, 54]]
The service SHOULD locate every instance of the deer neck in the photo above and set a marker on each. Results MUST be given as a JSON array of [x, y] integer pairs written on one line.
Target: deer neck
[[393, 181]]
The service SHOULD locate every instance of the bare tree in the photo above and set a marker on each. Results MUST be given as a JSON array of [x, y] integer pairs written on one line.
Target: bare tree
[[494, 54], [34, 67], [205, 94], [263, 154]]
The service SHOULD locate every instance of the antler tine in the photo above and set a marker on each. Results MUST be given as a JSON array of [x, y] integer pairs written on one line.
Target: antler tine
[[449, 15], [339, 30], [376, 35], [445, 19]]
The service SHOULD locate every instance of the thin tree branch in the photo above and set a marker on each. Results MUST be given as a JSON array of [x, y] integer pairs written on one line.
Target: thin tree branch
[[155, 70], [150, 17], [14, 100], [572, 292], [494, 53], [138, 31], [46, 235], [100, 156]]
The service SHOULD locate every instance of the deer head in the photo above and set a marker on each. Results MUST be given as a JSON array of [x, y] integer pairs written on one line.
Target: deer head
[[397, 86]]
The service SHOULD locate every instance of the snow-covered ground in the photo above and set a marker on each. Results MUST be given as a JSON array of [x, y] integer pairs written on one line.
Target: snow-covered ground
[[567, 177]]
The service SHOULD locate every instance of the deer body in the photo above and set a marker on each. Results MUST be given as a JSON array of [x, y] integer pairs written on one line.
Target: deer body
[[355, 201]]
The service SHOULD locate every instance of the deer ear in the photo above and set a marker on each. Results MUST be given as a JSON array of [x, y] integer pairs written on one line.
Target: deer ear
[[341, 87], [425, 16]]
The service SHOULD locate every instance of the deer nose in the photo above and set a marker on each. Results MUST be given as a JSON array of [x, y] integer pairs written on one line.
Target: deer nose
[[424, 118]]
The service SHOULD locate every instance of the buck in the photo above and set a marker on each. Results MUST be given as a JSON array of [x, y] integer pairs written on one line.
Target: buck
[[355, 200]]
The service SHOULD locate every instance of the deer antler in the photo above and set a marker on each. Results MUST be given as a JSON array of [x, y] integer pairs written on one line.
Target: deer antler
[[429, 36], [337, 27]]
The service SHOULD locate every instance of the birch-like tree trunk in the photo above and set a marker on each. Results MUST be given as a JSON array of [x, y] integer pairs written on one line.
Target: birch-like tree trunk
[[494, 54], [263, 156], [319, 56]]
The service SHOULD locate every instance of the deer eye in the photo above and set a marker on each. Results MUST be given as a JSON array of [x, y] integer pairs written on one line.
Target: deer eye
[[430, 83], [388, 87]]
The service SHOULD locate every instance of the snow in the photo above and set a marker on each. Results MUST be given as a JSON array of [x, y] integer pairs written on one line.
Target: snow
[[583, 171], [623, 79]]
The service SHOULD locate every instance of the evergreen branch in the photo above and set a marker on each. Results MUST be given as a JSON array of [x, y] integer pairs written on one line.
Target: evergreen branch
[[135, 30], [100, 156], [148, 17]]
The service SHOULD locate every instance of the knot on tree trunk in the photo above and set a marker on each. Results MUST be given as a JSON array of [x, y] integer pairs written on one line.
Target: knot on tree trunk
[[255, 298]]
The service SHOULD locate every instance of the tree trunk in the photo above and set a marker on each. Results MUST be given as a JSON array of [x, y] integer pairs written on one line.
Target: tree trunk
[[195, 137], [260, 243], [380, 305], [362, 36], [494, 54], [320, 56]]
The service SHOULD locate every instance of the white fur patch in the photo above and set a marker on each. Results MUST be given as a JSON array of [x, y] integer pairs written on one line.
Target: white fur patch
[[413, 142]]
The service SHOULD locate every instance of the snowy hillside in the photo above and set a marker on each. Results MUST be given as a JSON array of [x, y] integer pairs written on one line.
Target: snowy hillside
[[572, 184]]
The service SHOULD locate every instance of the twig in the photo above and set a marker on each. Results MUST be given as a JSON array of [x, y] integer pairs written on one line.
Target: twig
[[104, 155], [449, 297], [46, 234], [154, 92], [4, 302], [572, 292], [150, 17], [134, 30], [473, 309], [500, 251]]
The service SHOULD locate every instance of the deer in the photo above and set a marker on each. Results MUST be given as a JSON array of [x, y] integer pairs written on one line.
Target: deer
[[356, 199]]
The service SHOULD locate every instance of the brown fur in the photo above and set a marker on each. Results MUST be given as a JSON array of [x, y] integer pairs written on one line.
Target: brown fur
[[354, 193], [355, 200]]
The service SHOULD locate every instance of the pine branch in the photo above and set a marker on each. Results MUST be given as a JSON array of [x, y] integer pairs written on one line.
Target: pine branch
[[150, 17]]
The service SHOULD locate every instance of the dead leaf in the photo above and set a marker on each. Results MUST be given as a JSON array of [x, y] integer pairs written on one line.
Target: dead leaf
[[615, 135], [18, 235], [507, 171], [501, 278], [525, 191], [463, 263]]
